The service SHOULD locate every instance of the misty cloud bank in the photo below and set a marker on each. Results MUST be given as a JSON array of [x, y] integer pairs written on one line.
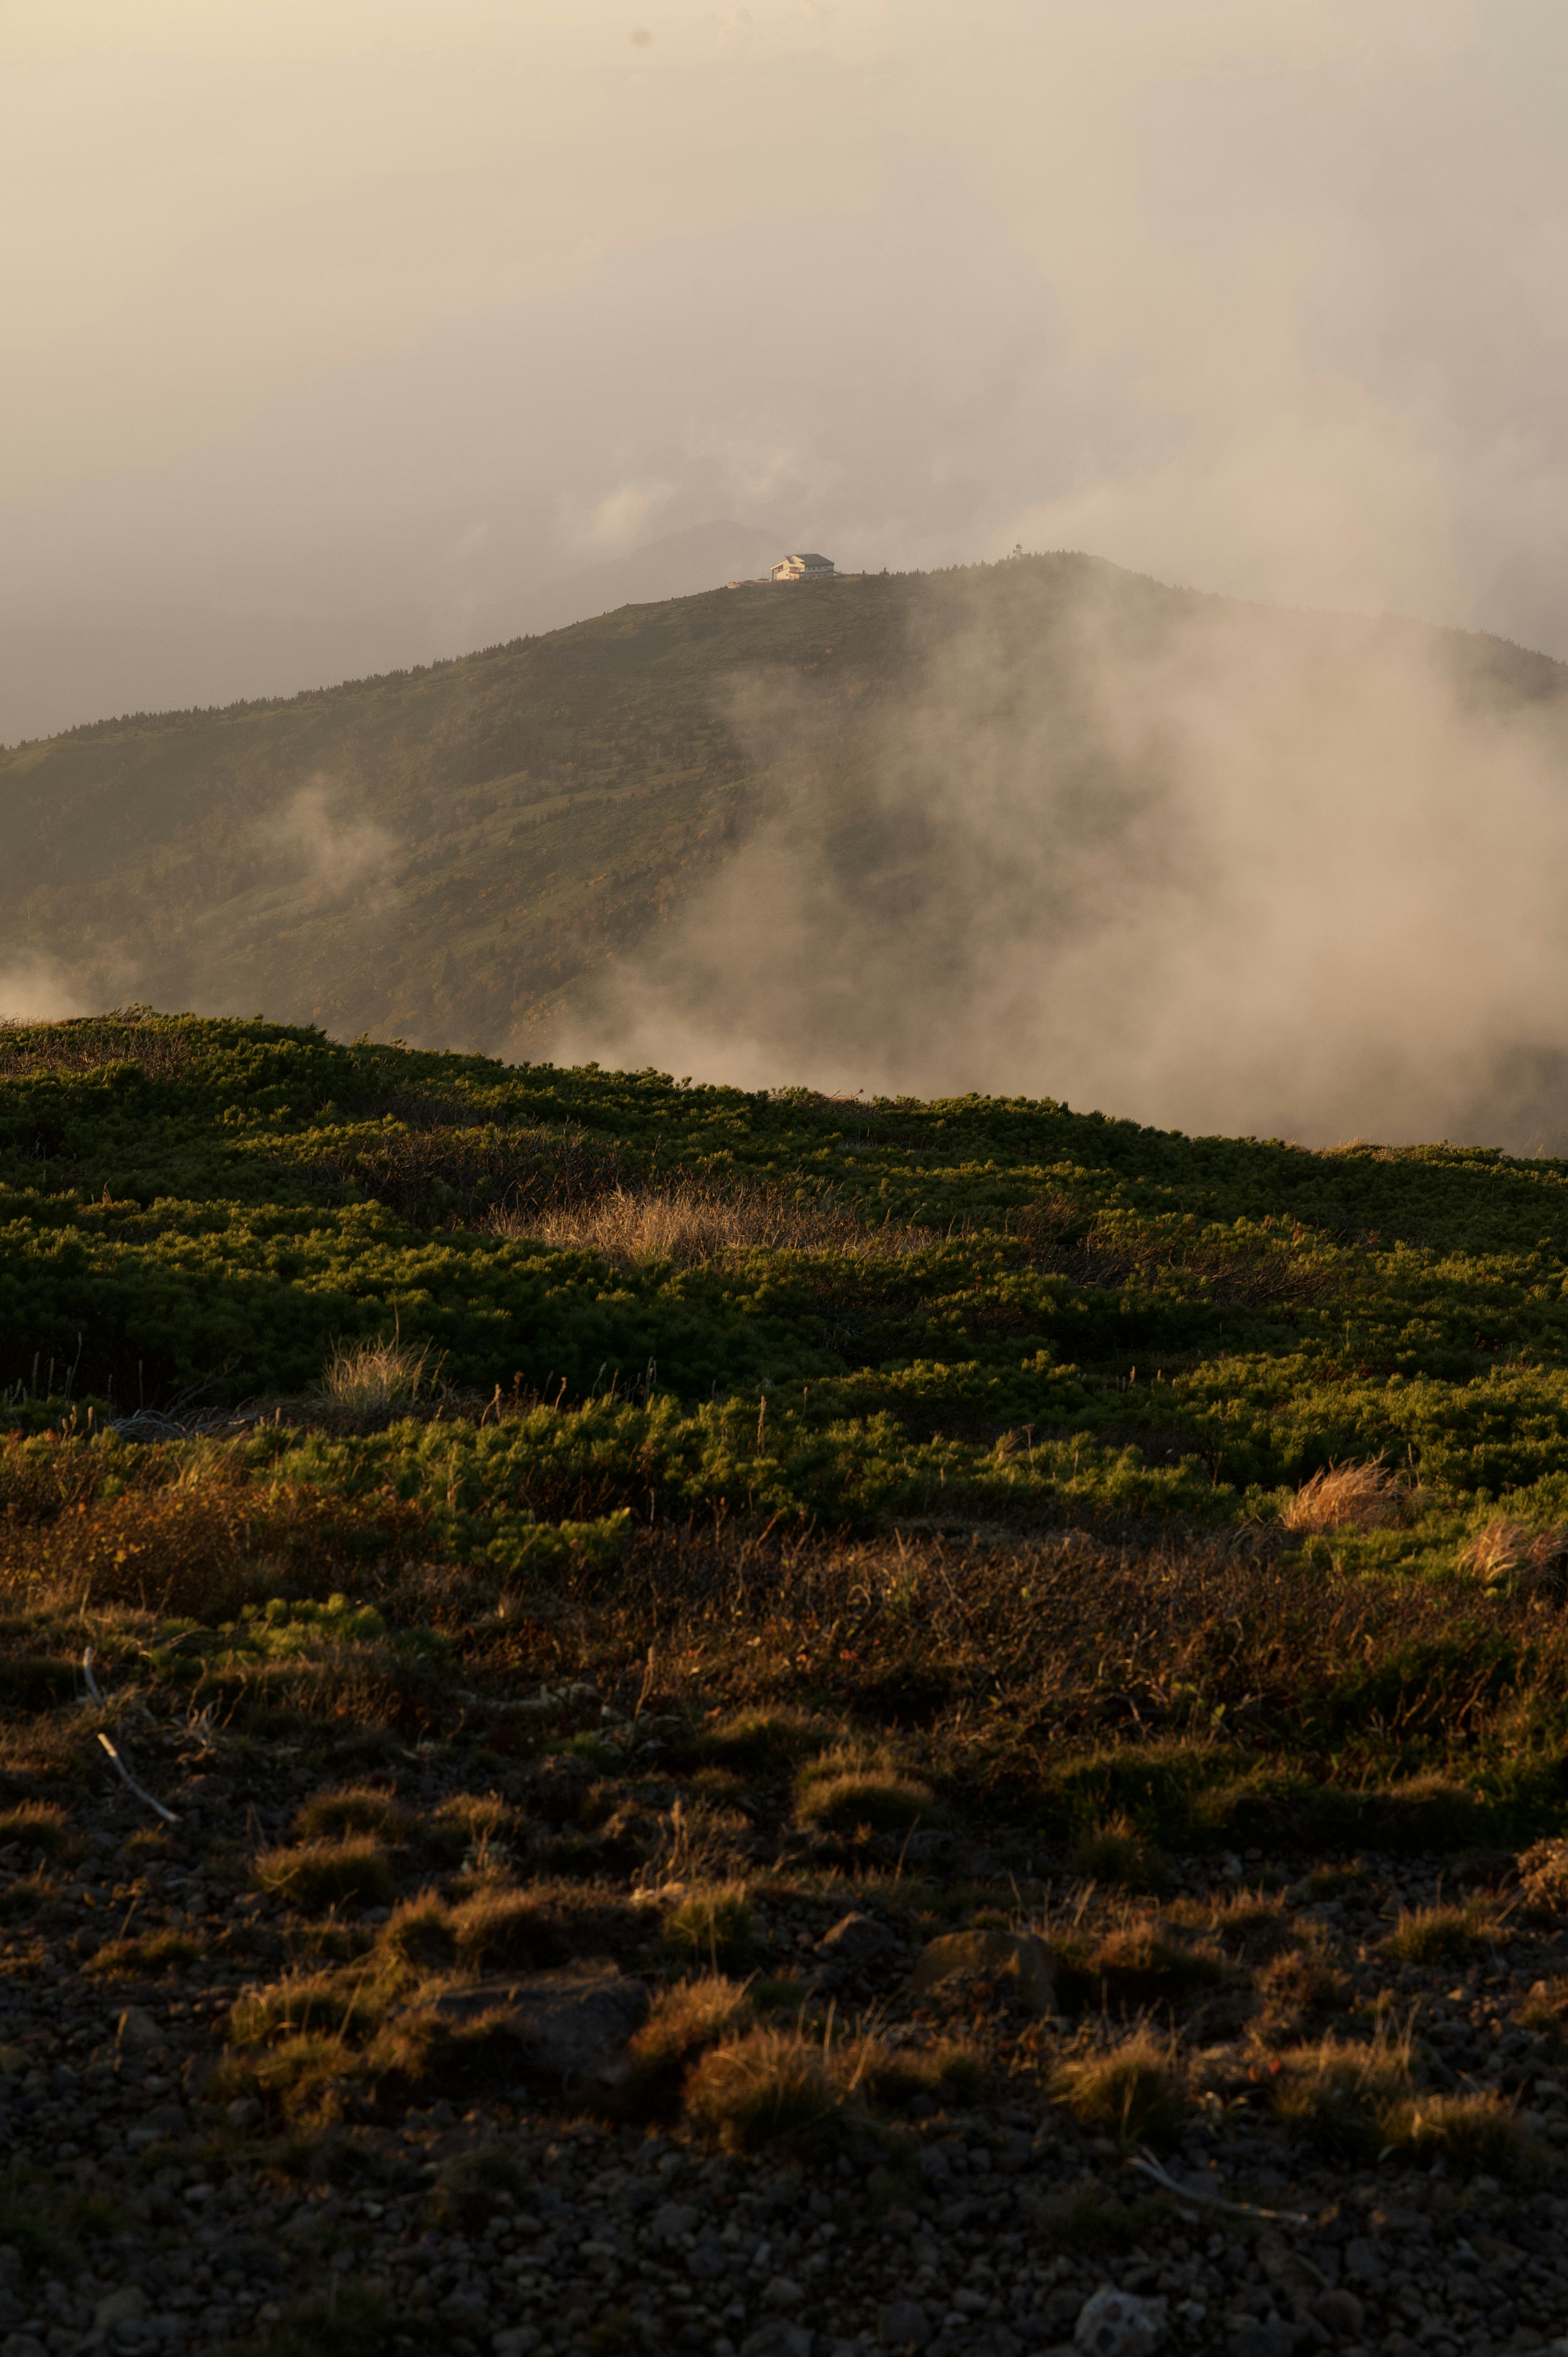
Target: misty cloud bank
[[1206, 864]]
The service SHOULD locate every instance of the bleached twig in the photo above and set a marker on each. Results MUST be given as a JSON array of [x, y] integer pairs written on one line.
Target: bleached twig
[[127, 1777], [87, 1674], [1162, 2178]]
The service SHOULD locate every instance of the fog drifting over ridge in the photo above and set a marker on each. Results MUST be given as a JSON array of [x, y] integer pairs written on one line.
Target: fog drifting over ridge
[[375, 318], [1214, 867]]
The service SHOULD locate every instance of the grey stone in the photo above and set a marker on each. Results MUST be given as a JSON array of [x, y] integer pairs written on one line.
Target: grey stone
[[670, 2219], [1363, 2260], [777, 2337], [903, 2324], [863, 1943], [1275, 2338], [1114, 2323], [126, 2306], [571, 2024]]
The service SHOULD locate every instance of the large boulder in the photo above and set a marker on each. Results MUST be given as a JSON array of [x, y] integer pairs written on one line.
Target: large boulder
[[1022, 1963], [558, 2027]]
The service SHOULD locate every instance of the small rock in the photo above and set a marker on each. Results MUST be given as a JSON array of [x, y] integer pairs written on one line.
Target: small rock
[[126, 2306], [1118, 2324], [515, 2342], [1015, 1957], [244, 2112], [136, 2028], [783, 2291], [670, 2219], [22, 2344], [1363, 2260], [776, 2339], [1286, 2268], [863, 1943], [903, 2324], [571, 2024], [1275, 2338], [1341, 2312]]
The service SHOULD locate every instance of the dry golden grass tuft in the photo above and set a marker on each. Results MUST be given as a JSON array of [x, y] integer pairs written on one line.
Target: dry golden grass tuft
[[1138, 1967], [1337, 2098], [357, 1809], [1348, 1497], [766, 1742], [1115, 1852], [315, 1876], [846, 1789], [710, 1927], [1133, 2091], [1425, 1935], [684, 2021], [1505, 1553], [690, 1224], [34, 1825], [955, 2071], [1298, 1990], [369, 1378], [1474, 2133], [767, 2087]]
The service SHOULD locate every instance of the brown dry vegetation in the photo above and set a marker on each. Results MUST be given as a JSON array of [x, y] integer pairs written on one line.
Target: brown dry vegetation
[[691, 1222]]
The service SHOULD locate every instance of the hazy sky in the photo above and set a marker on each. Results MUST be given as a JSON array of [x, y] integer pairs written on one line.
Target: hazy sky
[[331, 305]]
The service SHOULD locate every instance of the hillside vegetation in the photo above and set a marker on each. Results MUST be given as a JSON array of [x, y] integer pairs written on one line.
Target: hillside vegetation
[[552, 1537], [447, 853], [641, 1302]]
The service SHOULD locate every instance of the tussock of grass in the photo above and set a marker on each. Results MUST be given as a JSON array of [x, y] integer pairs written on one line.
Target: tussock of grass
[[1425, 1935], [691, 1223], [840, 1791], [1346, 1497], [546, 1924], [156, 1952], [371, 1377], [1477, 2134], [1337, 2098], [763, 1743], [322, 2004], [711, 1927], [684, 2022], [1507, 1553], [357, 1809], [34, 1825], [1294, 1988], [1132, 2091], [1115, 1852], [771, 2086], [955, 2071], [1251, 1923], [315, 1876], [419, 1933], [1138, 1967]]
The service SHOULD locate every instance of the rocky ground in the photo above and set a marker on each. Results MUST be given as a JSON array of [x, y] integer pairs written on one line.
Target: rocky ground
[[148, 2205]]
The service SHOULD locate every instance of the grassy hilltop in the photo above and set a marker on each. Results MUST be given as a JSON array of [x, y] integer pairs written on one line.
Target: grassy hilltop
[[447, 854], [548, 1538]]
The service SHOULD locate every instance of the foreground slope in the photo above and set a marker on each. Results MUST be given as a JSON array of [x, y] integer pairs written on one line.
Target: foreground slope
[[450, 854], [562, 1556]]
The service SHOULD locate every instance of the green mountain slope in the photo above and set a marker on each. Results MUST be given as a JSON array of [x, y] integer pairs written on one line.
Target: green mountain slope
[[446, 853]]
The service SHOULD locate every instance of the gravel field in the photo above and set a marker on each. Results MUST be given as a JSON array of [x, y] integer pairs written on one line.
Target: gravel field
[[151, 2208]]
